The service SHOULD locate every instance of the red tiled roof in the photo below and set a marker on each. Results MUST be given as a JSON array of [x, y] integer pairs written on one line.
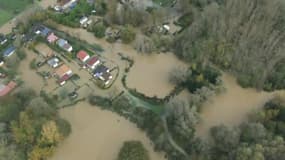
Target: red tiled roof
[[64, 78], [92, 61], [81, 55], [8, 88]]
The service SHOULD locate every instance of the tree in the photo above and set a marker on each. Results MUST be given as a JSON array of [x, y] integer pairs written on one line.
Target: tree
[[225, 139], [99, 30], [23, 130], [50, 134], [127, 34], [133, 150], [253, 132], [144, 44], [179, 75]]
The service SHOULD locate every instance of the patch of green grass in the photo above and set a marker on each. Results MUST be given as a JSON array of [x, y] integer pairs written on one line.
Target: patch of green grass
[[4, 17], [10, 8]]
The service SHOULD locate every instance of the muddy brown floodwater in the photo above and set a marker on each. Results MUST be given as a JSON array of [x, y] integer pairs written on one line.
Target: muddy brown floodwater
[[98, 135], [231, 107], [150, 74]]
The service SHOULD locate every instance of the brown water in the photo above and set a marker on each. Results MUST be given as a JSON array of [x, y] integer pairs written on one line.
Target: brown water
[[231, 107], [98, 135], [150, 74], [29, 76]]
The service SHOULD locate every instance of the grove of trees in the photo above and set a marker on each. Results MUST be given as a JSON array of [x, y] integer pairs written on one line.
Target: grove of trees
[[30, 127], [245, 37]]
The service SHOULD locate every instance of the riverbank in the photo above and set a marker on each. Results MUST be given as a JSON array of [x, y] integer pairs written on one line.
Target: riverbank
[[98, 135]]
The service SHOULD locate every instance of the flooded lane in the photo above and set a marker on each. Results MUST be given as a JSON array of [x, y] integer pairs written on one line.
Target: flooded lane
[[98, 135], [231, 107]]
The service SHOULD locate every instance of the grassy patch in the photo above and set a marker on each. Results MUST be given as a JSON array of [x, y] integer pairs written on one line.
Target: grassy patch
[[10, 8], [4, 17]]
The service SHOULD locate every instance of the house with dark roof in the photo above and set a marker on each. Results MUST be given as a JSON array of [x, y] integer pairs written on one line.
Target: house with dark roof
[[41, 30], [82, 56], [3, 39], [103, 73], [93, 62], [1, 61], [62, 43], [9, 51]]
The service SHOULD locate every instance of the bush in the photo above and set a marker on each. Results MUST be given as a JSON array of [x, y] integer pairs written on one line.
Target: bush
[[128, 34], [99, 30], [133, 150]]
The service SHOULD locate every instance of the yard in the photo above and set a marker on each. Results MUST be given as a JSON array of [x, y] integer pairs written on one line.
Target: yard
[[10, 8]]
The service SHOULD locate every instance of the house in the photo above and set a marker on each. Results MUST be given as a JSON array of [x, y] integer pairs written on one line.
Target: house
[[1, 61], [6, 89], [63, 73], [64, 45], [63, 70], [9, 51], [93, 62], [53, 62], [103, 73], [52, 38], [3, 39], [65, 4], [41, 30], [83, 20], [45, 50], [82, 56]]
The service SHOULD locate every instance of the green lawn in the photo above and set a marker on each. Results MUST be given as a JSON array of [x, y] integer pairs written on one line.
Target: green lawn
[[4, 17], [10, 8]]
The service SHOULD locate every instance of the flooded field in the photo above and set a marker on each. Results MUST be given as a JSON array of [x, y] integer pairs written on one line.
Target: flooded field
[[29, 76], [98, 135], [231, 107], [150, 74]]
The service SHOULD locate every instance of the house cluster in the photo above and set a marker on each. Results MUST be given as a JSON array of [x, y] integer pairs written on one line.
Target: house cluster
[[94, 64], [62, 72], [52, 38]]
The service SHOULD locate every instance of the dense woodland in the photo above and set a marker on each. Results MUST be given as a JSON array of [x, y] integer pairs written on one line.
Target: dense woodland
[[245, 37], [30, 127]]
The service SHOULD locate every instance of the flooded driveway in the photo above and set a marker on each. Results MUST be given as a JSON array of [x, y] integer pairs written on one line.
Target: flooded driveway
[[98, 135], [231, 107]]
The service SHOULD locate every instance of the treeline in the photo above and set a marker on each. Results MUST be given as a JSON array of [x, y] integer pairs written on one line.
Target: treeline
[[30, 127], [245, 37]]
